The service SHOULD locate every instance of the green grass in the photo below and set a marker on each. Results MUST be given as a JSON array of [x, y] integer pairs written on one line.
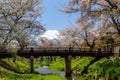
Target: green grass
[[80, 63], [104, 68], [76, 63], [5, 71], [58, 65], [39, 63], [29, 77], [10, 70], [18, 66]]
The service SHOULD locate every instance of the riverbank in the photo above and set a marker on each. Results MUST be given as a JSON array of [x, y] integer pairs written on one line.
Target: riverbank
[[82, 68], [19, 70]]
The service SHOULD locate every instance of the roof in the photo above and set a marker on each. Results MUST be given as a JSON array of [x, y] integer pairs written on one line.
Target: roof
[[116, 44], [111, 30]]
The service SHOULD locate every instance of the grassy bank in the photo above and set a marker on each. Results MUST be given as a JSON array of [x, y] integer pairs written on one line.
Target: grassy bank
[[104, 68], [19, 70], [29, 77], [85, 68]]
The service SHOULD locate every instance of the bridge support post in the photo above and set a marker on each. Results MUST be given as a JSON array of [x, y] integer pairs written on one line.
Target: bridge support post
[[31, 64], [31, 61], [68, 71]]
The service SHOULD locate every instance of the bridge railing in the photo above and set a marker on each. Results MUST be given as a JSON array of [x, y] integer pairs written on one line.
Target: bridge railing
[[64, 49]]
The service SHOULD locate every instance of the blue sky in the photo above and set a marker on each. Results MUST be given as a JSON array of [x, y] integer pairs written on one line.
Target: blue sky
[[53, 19]]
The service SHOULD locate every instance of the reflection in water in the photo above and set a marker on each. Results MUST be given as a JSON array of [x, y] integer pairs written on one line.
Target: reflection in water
[[45, 71]]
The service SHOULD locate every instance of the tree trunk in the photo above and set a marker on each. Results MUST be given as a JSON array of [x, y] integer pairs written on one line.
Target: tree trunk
[[14, 59], [68, 71]]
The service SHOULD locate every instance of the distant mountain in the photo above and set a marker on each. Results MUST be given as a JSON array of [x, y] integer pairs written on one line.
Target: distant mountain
[[55, 41], [49, 34]]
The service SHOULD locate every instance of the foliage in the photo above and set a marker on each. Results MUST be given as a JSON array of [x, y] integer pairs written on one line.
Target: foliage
[[117, 39], [79, 64], [59, 65], [18, 66], [102, 69], [5, 71], [29, 77], [105, 68], [107, 40], [9, 69], [40, 63]]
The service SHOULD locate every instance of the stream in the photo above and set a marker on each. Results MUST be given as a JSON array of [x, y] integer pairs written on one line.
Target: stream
[[45, 71]]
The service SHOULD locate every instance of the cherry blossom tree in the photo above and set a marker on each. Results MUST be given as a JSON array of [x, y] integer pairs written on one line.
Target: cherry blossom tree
[[19, 19], [106, 12], [75, 36]]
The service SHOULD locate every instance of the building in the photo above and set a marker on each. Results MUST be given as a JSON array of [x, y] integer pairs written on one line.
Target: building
[[116, 48]]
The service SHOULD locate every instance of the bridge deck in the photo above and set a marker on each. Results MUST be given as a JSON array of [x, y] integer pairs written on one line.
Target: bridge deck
[[64, 52], [6, 55], [59, 52]]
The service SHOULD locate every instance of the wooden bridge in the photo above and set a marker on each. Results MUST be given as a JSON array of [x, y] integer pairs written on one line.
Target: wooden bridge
[[5, 54], [67, 53]]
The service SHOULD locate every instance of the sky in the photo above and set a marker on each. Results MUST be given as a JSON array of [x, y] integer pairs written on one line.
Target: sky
[[53, 19]]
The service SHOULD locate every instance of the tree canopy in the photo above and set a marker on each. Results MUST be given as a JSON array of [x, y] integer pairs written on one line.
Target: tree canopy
[[19, 19], [106, 12]]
